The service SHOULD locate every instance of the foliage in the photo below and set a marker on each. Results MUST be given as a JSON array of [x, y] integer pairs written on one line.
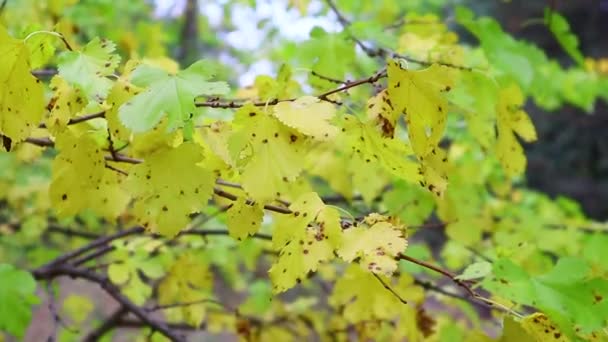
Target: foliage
[[301, 206]]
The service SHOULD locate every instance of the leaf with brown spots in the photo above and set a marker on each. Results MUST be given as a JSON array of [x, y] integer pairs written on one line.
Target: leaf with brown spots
[[269, 154], [305, 238], [81, 182], [21, 94], [169, 186], [244, 218], [376, 245]]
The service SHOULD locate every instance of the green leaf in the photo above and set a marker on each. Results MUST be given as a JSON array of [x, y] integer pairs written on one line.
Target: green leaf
[[328, 54], [568, 293], [88, 69], [17, 296], [561, 30], [475, 271], [168, 95]]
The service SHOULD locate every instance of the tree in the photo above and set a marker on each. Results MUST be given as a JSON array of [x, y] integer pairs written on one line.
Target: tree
[[371, 187]]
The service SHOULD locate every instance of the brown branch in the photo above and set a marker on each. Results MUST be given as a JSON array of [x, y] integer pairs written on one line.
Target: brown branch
[[112, 290], [439, 270], [63, 259], [72, 233], [174, 305], [327, 78], [232, 197], [80, 119], [123, 159], [323, 96], [381, 52], [44, 72], [42, 142]]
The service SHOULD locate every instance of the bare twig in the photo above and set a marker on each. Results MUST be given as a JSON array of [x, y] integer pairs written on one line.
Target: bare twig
[[175, 305], [80, 119], [387, 287]]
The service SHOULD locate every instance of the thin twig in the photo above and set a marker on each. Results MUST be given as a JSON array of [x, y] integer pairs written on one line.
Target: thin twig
[[327, 78], [72, 232], [80, 119], [387, 287], [174, 305]]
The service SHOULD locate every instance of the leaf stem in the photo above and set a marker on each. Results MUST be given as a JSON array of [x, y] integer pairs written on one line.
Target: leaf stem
[[52, 33]]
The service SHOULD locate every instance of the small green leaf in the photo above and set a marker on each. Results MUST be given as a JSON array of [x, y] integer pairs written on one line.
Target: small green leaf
[[561, 30], [88, 69], [16, 297]]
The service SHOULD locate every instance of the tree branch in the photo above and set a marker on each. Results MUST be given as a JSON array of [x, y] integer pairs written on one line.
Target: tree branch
[[112, 290]]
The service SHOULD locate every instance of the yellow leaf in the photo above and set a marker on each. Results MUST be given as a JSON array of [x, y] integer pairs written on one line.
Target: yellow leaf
[[80, 180], [121, 92], [78, 308], [66, 103], [168, 186], [305, 238], [541, 328], [264, 146], [419, 95], [308, 115], [511, 120], [244, 219], [363, 297], [21, 94], [361, 140], [377, 246], [380, 111]]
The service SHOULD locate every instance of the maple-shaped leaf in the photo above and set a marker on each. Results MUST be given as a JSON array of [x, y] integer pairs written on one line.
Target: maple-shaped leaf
[[419, 95], [80, 180], [189, 280], [377, 245], [21, 94], [67, 102], [363, 297], [512, 119], [17, 295], [308, 115], [244, 218], [168, 186], [306, 238], [170, 95], [261, 145], [88, 69]]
